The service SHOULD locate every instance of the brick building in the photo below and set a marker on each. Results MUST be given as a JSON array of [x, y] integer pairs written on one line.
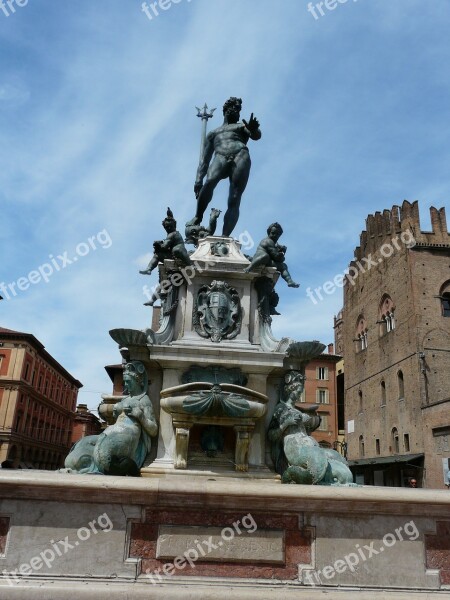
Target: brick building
[[115, 373], [37, 403], [395, 331], [85, 423], [320, 388]]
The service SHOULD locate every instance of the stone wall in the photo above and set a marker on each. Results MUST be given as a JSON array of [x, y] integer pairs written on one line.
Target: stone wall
[[200, 538]]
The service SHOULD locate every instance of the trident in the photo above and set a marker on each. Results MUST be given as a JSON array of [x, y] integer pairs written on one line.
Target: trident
[[205, 114]]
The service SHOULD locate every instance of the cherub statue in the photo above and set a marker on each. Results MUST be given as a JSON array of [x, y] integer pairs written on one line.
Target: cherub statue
[[271, 254], [122, 448], [194, 232], [172, 247], [296, 456]]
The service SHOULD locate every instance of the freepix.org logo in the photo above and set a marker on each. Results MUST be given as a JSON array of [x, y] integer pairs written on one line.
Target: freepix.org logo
[[152, 9], [350, 277], [203, 547], [45, 271], [351, 561], [8, 7], [318, 11]]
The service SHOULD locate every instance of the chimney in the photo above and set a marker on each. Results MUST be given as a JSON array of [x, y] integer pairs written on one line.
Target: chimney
[[156, 317], [330, 348]]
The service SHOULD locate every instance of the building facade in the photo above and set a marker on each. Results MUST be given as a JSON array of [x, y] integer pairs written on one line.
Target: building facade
[[37, 404], [395, 331], [115, 373], [85, 423], [320, 388]]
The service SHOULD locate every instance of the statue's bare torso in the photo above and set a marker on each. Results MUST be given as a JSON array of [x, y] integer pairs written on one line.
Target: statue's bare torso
[[229, 139]]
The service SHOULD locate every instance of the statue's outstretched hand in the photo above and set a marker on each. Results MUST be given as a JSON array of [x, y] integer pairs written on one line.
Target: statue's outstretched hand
[[252, 125]]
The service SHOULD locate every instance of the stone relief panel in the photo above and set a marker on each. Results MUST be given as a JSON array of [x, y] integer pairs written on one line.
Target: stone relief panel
[[168, 532]]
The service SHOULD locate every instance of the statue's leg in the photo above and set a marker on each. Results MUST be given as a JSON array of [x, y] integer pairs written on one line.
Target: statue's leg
[[182, 255], [238, 183], [154, 298], [217, 171], [151, 265], [259, 260], [287, 276]]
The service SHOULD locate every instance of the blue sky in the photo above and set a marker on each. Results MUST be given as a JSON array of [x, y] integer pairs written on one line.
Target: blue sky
[[98, 132]]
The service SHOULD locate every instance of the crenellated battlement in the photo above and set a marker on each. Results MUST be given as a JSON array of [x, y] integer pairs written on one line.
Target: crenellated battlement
[[384, 226]]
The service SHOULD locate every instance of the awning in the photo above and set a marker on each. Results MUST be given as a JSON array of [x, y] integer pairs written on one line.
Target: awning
[[385, 460]]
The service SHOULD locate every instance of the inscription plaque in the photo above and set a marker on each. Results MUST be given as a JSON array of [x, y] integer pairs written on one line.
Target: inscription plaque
[[217, 544]]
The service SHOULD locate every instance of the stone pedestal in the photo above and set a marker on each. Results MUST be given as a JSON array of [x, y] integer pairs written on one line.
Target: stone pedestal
[[188, 537]]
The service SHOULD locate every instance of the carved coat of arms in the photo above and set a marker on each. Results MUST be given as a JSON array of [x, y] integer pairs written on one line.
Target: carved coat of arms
[[217, 312]]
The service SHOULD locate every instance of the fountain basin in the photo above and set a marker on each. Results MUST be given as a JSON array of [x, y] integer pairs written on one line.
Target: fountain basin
[[203, 399]]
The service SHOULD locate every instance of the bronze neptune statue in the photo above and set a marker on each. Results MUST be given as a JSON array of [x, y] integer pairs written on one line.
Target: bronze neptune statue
[[228, 144]]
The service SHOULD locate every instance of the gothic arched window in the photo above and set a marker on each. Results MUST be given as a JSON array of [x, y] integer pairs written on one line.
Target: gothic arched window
[[395, 441], [386, 317], [401, 385], [445, 299], [361, 334], [383, 392]]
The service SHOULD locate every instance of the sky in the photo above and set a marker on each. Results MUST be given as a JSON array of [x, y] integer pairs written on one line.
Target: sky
[[99, 134]]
